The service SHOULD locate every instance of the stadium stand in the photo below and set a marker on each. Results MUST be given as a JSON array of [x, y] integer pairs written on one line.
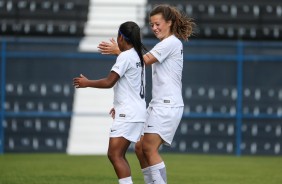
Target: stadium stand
[[43, 18], [30, 94], [221, 19], [39, 96], [36, 134], [231, 80]]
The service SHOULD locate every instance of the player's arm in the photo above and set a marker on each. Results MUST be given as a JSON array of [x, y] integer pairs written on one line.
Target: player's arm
[[149, 59], [109, 47], [112, 48], [108, 82]]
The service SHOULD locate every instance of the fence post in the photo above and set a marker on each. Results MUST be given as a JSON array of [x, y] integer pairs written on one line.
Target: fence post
[[239, 102], [3, 91]]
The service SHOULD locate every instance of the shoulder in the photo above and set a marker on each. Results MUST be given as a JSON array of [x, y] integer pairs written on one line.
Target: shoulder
[[122, 55], [170, 41], [127, 53], [127, 57], [173, 39]]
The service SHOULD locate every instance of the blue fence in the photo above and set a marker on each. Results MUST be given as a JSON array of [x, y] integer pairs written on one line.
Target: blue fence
[[239, 52]]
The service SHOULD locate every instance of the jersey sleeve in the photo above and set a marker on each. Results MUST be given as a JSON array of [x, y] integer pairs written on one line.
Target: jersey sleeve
[[161, 51], [121, 65]]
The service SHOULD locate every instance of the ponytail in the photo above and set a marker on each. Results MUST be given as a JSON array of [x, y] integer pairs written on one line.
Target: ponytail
[[131, 33]]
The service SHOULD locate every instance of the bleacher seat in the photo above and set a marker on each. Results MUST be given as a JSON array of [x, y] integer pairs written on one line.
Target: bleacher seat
[[36, 134], [42, 143], [209, 100], [56, 18], [218, 136], [260, 147], [38, 97]]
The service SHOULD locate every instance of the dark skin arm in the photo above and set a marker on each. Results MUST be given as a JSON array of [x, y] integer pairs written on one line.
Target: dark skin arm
[[108, 82]]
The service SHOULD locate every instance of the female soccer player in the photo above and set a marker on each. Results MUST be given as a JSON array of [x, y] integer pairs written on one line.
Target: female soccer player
[[129, 110], [166, 107]]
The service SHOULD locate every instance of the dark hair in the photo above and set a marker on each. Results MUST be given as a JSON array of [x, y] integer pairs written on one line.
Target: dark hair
[[181, 25], [131, 33]]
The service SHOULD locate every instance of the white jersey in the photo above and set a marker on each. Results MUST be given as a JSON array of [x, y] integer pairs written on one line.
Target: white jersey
[[167, 73], [128, 104]]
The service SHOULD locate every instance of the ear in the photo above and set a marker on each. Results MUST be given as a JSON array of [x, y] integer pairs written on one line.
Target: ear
[[169, 23], [120, 37]]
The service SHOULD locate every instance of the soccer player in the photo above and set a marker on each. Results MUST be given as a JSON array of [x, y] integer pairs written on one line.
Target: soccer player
[[166, 107], [129, 111]]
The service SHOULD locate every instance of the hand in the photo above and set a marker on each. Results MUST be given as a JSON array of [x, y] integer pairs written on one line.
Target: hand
[[113, 113], [80, 82], [109, 47]]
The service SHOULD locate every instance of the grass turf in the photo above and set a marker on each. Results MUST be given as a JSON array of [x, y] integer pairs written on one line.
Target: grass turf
[[181, 169]]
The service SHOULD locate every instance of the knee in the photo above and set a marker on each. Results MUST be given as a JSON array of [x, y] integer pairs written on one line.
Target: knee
[[138, 148], [110, 156], [146, 150], [113, 157], [149, 150]]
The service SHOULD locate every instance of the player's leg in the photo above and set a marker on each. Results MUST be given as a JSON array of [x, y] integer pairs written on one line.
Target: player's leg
[[151, 144], [143, 163], [160, 129], [116, 154], [140, 155]]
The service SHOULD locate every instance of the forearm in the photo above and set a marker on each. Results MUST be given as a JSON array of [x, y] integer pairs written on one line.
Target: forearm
[[101, 83], [149, 59]]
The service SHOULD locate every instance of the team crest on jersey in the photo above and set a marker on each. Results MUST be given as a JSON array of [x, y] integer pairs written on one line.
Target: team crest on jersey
[[122, 115], [166, 101]]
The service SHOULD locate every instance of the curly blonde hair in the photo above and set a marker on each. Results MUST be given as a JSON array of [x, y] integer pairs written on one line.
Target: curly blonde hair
[[182, 26]]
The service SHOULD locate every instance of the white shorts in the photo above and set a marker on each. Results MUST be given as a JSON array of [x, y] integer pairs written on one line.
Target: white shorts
[[129, 130], [163, 121]]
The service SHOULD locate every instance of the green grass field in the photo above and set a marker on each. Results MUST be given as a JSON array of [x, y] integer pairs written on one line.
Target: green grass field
[[181, 168]]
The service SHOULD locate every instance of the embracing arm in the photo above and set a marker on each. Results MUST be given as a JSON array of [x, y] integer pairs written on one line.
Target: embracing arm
[[149, 59], [108, 82], [112, 48]]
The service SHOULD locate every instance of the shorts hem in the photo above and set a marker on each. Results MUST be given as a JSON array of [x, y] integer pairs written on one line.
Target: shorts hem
[[129, 139]]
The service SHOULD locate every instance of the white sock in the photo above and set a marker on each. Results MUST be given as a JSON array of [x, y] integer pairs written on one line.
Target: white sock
[[147, 175], [158, 172], [127, 180]]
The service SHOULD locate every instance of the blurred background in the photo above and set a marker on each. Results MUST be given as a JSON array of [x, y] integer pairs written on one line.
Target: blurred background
[[232, 81]]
